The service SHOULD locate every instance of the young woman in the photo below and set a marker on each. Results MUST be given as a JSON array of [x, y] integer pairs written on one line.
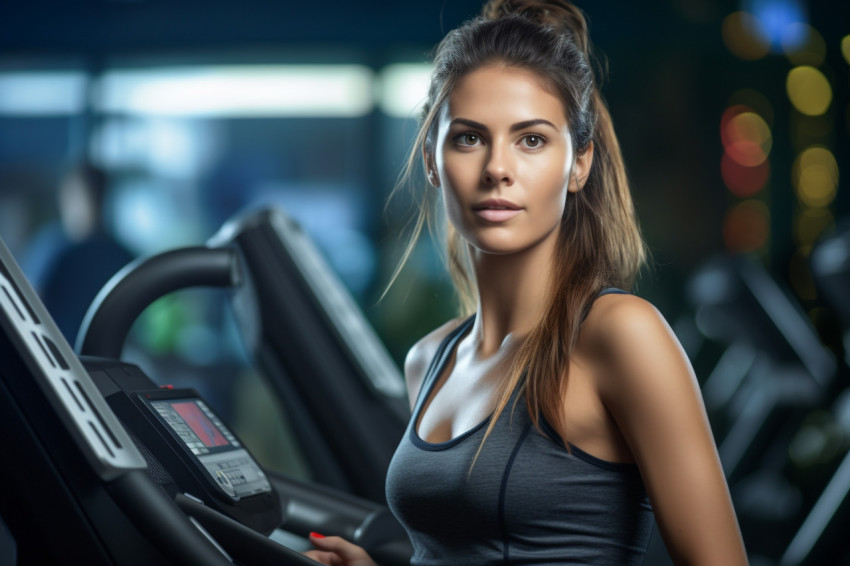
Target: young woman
[[554, 424]]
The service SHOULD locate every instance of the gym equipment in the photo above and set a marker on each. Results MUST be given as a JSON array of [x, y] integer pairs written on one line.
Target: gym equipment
[[774, 367], [821, 537], [191, 446], [86, 490], [314, 346], [77, 491]]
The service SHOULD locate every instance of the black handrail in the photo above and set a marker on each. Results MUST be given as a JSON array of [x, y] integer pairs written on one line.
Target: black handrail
[[116, 307]]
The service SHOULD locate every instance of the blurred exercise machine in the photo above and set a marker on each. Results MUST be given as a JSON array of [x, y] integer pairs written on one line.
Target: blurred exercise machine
[[821, 539], [324, 361], [774, 378], [774, 365], [110, 469]]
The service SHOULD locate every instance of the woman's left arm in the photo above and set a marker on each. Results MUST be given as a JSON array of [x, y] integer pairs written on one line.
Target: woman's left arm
[[649, 387]]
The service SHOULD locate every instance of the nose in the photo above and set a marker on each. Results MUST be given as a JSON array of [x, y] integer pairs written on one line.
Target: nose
[[498, 168]]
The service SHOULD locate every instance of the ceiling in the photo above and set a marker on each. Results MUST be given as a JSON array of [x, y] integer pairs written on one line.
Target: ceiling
[[116, 26]]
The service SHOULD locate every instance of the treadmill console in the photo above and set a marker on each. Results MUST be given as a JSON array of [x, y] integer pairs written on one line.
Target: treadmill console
[[206, 442], [185, 437]]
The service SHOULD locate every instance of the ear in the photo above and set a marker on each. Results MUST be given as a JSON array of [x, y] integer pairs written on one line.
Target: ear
[[430, 167], [581, 169]]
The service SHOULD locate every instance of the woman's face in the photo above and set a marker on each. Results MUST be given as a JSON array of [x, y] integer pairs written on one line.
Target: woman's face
[[503, 158]]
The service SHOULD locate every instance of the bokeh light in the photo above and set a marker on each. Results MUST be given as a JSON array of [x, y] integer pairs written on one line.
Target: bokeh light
[[845, 48], [809, 90], [755, 101], [746, 136], [810, 223], [743, 181], [747, 141], [815, 176], [777, 18], [803, 45], [746, 227], [745, 36]]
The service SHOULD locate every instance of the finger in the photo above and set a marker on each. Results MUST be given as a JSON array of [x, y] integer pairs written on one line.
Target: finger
[[346, 550]]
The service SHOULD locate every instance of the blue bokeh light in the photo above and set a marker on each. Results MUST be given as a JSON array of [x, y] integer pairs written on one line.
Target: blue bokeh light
[[777, 17]]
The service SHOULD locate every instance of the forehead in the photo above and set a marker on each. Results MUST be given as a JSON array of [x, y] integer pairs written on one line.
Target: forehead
[[498, 92]]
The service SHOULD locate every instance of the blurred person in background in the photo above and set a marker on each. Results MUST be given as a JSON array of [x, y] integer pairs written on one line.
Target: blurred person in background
[[68, 267]]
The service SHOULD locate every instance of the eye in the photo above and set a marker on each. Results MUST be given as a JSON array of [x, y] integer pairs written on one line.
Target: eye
[[533, 141], [468, 139]]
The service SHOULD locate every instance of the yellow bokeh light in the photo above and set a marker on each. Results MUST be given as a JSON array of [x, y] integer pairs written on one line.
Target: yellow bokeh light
[[810, 51], [809, 90], [845, 48], [815, 187], [815, 176], [810, 223], [744, 36]]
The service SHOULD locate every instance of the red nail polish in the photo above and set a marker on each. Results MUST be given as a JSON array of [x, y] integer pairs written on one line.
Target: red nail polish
[[317, 535]]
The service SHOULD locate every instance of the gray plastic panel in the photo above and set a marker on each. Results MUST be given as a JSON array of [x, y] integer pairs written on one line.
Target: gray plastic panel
[[340, 307], [337, 303], [56, 368]]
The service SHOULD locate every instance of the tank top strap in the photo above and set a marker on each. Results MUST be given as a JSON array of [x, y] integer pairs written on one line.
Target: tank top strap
[[441, 357], [612, 291], [605, 291]]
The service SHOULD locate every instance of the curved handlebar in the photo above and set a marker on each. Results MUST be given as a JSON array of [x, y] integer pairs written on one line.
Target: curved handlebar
[[116, 307]]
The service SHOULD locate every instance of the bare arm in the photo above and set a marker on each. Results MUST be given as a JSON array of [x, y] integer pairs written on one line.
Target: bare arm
[[648, 385]]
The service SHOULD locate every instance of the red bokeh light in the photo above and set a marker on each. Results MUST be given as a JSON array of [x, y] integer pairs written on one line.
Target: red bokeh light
[[743, 181]]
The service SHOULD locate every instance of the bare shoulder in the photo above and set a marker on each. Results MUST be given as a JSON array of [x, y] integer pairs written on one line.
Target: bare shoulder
[[647, 385], [615, 308], [420, 355], [618, 321], [624, 333]]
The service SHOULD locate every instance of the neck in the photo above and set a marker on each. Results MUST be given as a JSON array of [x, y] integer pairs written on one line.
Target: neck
[[512, 294]]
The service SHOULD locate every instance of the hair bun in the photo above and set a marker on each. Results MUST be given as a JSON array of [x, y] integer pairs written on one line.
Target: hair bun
[[556, 13]]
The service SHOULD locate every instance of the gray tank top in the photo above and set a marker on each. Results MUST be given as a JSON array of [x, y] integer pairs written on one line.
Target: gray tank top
[[527, 500]]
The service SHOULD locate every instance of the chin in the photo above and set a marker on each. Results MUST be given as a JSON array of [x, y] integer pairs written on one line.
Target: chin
[[508, 242], [507, 246]]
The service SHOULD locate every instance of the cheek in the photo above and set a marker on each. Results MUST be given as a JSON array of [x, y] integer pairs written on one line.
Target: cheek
[[551, 181], [559, 204], [460, 170], [459, 182], [453, 203]]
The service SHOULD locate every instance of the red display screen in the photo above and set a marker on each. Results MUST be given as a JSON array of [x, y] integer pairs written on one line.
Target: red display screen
[[200, 424]]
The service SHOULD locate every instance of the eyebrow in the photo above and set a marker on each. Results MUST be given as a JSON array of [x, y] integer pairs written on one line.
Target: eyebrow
[[514, 127]]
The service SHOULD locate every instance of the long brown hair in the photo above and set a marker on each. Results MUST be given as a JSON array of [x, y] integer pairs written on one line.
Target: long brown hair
[[599, 240]]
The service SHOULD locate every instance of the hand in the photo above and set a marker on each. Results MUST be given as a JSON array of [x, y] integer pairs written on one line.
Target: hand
[[336, 551]]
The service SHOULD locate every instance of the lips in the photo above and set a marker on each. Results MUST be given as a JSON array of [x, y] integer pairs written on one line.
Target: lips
[[496, 210]]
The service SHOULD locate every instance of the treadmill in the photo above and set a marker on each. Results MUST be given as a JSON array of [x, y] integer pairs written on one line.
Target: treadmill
[[110, 468]]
